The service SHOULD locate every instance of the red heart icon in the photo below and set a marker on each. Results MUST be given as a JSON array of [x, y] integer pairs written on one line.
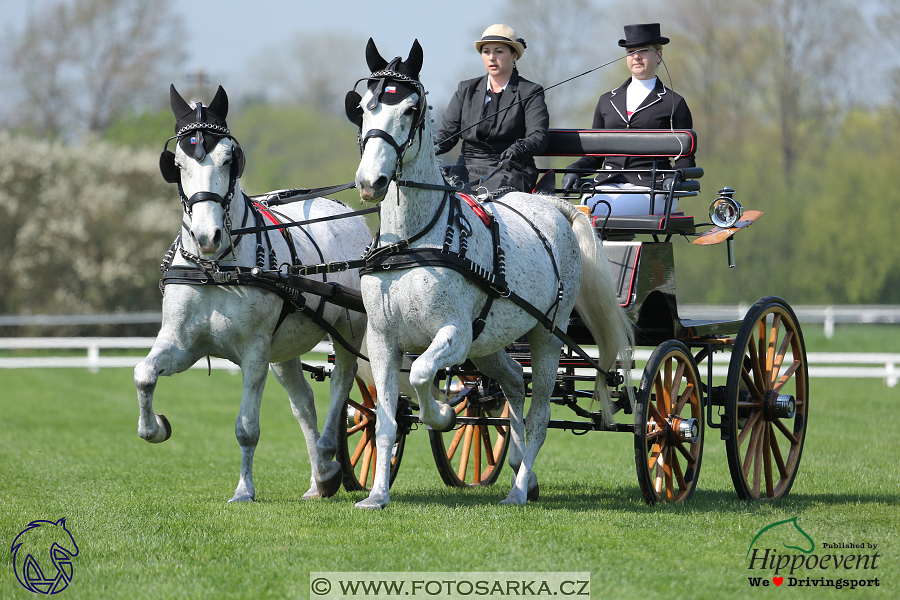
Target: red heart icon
[[778, 580]]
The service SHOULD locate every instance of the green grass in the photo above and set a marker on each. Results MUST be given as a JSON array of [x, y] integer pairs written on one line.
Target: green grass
[[151, 520]]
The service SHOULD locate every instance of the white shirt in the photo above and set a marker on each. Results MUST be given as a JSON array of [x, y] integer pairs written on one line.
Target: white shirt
[[636, 92]]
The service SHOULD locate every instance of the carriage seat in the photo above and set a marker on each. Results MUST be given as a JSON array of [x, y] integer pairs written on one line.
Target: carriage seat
[[651, 143]]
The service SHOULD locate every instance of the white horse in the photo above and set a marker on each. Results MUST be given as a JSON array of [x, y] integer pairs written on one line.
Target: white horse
[[430, 309], [244, 323]]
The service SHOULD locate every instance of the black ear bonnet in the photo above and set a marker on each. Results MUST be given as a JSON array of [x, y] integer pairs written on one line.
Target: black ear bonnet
[[198, 130], [389, 82]]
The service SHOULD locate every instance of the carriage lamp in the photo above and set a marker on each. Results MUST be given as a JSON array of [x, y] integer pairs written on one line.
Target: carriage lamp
[[725, 211]]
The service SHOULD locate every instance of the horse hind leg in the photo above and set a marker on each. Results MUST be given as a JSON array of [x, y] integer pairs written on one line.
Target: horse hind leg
[[545, 349]]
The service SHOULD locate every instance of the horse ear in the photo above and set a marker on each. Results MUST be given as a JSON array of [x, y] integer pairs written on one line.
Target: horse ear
[[168, 168], [179, 106], [352, 108], [373, 58], [414, 60], [219, 104]]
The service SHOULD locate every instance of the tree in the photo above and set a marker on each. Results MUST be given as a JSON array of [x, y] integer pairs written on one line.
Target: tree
[[565, 38], [303, 69], [82, 63]]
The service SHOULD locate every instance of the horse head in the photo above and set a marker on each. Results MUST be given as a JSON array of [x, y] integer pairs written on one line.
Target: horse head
[[206, 165], [392, 117], [40, 545]]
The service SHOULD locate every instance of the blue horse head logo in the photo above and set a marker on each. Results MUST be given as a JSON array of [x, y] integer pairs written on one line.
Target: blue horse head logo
[[42, 556]]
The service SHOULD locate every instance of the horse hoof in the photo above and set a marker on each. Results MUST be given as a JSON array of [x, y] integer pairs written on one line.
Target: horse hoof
[[329, 487], [534, 493], [162, 420], [241, 498], [369, 504]]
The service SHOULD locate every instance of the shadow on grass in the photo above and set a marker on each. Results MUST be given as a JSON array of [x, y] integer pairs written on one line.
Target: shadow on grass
[[585, 497]]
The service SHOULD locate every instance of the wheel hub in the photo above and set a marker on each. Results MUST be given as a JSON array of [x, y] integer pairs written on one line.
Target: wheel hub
[[779, 406]]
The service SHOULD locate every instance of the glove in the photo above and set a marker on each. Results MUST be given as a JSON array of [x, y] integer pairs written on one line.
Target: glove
[[515, 152], [569, 181]]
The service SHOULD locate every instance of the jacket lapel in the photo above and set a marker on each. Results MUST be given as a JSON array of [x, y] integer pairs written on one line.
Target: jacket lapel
[[617, 98]]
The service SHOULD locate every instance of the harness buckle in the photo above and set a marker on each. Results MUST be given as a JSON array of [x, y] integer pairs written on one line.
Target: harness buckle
[[337, 267]]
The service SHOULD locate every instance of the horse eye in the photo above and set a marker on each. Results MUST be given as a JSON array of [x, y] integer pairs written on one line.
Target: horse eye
[[409, 111]]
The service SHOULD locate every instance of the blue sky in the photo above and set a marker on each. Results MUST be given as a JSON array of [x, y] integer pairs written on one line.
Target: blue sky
[[446, 31]]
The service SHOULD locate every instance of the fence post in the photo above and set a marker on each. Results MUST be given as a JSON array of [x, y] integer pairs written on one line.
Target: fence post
[[829, 322], [94, 357]]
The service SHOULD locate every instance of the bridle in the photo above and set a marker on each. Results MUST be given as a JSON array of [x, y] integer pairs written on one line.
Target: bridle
[[354, 113]]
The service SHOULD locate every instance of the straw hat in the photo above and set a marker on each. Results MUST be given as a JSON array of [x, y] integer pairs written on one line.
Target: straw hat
[[503, 34]]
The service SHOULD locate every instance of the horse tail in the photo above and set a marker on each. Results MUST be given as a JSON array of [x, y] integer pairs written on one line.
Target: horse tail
[[599, 308]]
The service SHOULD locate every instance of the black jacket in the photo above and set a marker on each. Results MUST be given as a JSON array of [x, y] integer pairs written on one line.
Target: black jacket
[[661, 109], [527, 121]]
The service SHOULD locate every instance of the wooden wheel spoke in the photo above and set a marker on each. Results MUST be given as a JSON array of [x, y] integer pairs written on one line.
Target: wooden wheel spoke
[[776, 454], [755, 367], [765, 448], [659, 418], [467, 447], [488, 446], [782, 352], [685, 396], [787, 375], [655, 451], [788, 434], [770, 347], [659, 388], [679, 475], [750, 381], [455, 443], [476, 472], [660, 465], [360, 447], [748, 427], [367, 411], [751, 445], [667, 469], [685, 452], [461, 406], [357, 428], [366, 463]]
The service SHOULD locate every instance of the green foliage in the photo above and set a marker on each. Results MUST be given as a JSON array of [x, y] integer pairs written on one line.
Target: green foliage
[[141, 130], [295, 147], [826, 238], [82, 230]]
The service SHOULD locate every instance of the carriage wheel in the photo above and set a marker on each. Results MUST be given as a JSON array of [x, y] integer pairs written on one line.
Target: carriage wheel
[[356, 442], [472, 455], [668, 426], [766, 401]]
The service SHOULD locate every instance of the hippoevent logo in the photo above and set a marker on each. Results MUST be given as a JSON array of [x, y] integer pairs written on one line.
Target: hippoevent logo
[[784, 554], [42, 556]]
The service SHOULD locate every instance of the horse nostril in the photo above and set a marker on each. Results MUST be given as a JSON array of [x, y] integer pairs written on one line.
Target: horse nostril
[[217, 237], [381, 182]]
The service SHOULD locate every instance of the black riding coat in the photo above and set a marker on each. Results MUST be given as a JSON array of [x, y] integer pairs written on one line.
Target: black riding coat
[[661, 109], [527, 121]]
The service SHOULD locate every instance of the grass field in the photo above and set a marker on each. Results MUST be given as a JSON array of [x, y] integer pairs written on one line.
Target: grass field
[[151, 520]]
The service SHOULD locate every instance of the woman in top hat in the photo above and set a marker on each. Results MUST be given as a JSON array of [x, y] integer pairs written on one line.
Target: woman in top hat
[[642, 102], [510, 113]]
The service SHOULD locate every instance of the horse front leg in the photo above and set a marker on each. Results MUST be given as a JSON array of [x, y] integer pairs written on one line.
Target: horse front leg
[[246, 426], [450, 347], [385, 362], [165, 358]]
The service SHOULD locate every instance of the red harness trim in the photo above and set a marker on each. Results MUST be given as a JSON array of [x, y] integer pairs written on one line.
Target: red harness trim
[[268, 215], [477, 209]]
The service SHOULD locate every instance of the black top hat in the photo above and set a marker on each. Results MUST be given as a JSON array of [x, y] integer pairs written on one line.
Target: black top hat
[[642, 34]]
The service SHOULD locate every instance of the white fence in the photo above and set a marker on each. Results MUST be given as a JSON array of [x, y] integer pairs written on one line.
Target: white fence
[[882, 365]]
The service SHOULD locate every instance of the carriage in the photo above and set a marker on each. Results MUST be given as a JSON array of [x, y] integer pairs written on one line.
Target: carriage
[[760, 410], [621, 266]]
